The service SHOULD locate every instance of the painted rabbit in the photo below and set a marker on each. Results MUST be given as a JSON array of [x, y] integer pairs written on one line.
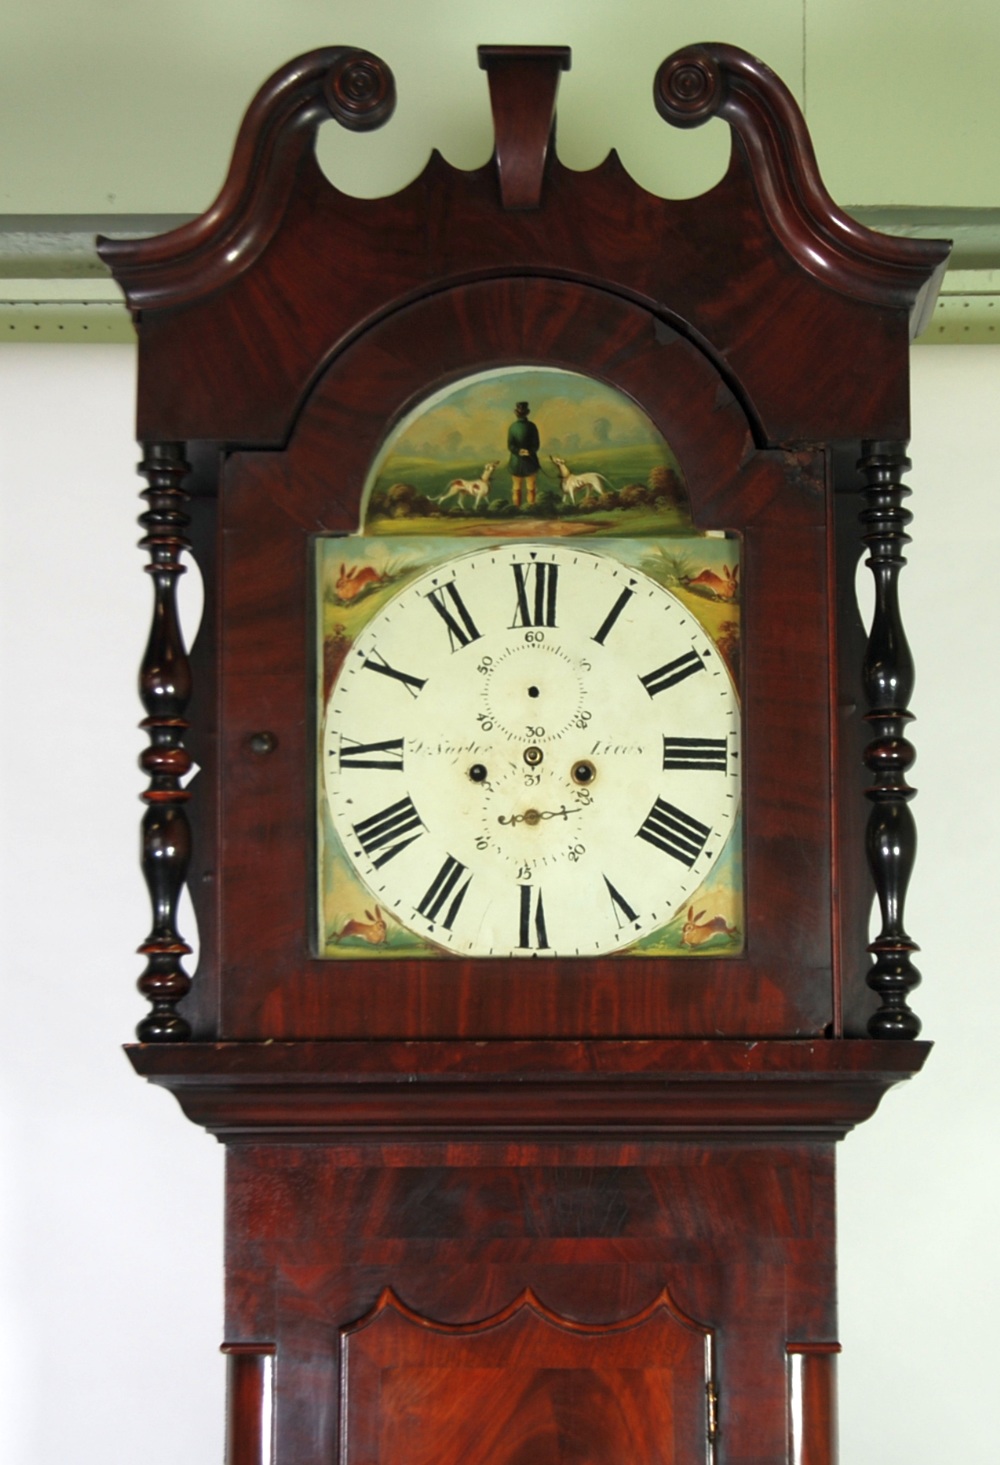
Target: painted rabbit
[[372, 930], [719, 587], [696, 932], [351, 582]]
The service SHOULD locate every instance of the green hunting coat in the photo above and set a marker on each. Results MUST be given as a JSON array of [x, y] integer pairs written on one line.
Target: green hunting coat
[[522, 444]]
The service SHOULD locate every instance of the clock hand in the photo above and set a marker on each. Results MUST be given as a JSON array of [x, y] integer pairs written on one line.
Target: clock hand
[[533, 816]]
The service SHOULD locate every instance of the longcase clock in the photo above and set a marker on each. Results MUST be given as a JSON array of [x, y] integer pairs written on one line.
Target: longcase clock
[[544, 775]]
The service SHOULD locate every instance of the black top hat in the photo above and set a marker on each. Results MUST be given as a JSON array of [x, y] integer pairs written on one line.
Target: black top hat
[[521, 407]]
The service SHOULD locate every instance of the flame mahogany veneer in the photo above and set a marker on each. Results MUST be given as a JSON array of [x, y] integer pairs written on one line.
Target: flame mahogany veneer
[[559, 1212]]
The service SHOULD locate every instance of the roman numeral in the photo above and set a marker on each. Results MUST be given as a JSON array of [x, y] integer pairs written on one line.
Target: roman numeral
[[673, 672], [385, 830], [531, 918], [372, 755], [441, 888], [412, 684], [708, 753], [619, 903], [674, 832], [460, 631], [540, 608], [613, 615]]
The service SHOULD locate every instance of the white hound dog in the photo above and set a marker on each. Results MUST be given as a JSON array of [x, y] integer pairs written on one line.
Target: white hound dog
[[477, 488], [569, 481]]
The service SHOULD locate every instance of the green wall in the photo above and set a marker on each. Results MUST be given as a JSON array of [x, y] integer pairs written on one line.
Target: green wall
[[123, 112]]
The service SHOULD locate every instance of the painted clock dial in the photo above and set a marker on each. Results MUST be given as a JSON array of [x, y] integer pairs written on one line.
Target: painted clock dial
[[532, 751]]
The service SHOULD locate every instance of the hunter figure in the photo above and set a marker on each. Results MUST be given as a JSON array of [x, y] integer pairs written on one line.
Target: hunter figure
[[523, 444]]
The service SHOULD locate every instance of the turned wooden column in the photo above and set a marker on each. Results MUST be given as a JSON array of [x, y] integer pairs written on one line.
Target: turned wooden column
[[165, 689], [888, 680]]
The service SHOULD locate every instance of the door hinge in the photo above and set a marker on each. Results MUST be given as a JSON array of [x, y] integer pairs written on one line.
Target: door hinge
[[712, 1411]]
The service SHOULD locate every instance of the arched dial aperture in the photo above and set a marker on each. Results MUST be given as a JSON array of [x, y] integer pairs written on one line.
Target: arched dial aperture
[[533, 751]]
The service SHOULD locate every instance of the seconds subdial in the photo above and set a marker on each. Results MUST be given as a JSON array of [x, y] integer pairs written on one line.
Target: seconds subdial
[[534, 693]]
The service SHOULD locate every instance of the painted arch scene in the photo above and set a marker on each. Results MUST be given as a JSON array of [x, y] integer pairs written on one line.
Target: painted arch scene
[[522, 450], [520, 453]]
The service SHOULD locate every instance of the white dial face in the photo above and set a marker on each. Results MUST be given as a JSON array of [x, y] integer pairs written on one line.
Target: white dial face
[[533, 751]]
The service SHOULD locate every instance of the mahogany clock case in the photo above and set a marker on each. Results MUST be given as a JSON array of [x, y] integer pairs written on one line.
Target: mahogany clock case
[[571, 1307], [484, 1234], [284, 333], [271, 503]]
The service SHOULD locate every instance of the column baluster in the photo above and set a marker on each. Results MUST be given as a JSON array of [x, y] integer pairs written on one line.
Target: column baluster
[[165, 689], [891, 838]]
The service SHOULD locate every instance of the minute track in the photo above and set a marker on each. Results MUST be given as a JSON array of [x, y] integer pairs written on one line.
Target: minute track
[[529, 857]]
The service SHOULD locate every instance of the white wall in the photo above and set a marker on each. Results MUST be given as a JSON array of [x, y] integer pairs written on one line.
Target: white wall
[[920, 1184], [130, 105], [112, 1203], [110, 1280]]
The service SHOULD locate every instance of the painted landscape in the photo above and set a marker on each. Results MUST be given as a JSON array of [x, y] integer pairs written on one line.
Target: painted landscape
[[599, 465]]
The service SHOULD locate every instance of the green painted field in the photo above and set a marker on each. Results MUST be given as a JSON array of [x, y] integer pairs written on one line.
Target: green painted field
[[619, 465], [407, 499]]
